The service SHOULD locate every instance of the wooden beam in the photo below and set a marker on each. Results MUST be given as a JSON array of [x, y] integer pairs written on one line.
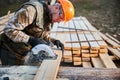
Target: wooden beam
[[49, 68], [78, 73], [107, 61], [97, 63]]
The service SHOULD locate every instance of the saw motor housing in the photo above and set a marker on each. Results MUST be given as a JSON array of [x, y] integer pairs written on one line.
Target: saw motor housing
[[38, 54]]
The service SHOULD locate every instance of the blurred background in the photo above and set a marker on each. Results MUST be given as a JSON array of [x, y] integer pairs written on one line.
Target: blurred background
[[102, 14]]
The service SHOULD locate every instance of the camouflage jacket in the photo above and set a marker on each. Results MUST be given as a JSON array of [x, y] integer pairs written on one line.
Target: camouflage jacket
[[32, 19]]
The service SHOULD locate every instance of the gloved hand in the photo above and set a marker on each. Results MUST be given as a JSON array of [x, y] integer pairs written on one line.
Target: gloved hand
[[35, 41], [59, 44]]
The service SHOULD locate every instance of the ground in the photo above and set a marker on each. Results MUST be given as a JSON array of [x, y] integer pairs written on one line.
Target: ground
[[102, 14]]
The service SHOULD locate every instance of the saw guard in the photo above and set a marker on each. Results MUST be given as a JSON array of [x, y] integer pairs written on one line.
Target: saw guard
[[43, 47]]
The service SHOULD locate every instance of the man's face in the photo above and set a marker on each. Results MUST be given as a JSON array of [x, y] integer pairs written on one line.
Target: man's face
[[57, 13]]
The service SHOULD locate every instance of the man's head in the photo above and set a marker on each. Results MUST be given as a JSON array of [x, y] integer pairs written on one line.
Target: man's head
[[62, 11]]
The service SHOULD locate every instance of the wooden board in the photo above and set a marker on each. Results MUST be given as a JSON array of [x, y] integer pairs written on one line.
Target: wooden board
[[107, 61], [79, 73], [49, 68], [97, 63]]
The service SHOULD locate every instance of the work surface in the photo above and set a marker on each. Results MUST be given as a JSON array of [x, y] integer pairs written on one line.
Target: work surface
[[89, 55]]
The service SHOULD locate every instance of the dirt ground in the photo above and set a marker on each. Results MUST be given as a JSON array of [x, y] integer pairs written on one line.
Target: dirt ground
[[102, 14]]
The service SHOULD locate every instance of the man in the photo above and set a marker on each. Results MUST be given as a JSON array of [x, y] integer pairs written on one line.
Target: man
[[30, 26]]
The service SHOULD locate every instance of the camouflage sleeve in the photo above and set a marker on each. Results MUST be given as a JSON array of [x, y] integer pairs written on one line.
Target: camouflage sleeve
[[21, 19], [46, 36]]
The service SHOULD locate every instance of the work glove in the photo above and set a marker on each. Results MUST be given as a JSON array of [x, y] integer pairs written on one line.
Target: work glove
[[35, 41], [59, 44]]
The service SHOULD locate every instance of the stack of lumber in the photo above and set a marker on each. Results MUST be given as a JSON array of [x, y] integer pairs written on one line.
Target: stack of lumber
[[84, 44]]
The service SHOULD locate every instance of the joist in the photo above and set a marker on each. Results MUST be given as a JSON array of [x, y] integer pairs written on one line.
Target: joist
[[107, 61], [49, 68]]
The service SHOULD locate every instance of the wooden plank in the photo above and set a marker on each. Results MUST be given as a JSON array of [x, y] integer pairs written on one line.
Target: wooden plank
[[107, 61], [94, 55], [49, 68], [97, 63], [68, 38], [71, 25], [108, 35], [114, 52], [67, 46], [109, 41], [82, 24], [85, 45], [77, 25], [74, 37], [85, 55], [75, 46], [89, 36], [96, 36], [82, 37], [94, 45], [77, 63], [86, 59], [102, 44], [79, 73], [103, 50], [86, 65], [77, 59], [67, 56], [76, 52], [62, 79], [90, 27]]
